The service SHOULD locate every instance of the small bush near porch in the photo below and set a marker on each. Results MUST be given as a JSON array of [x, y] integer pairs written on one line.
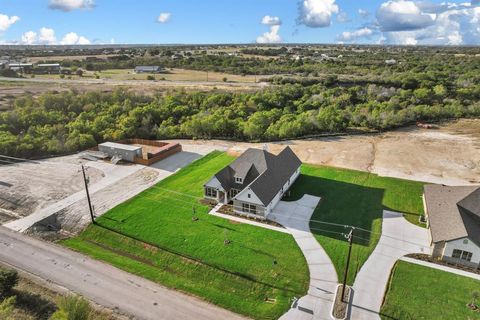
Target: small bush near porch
[[418, 292], [155, 235]]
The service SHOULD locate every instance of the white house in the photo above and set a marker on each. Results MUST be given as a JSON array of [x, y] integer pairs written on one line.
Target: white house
[[255, 182], [453, 216]]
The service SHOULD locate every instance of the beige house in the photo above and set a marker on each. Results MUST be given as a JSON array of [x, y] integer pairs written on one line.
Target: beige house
[[255, 182], [453, 217]]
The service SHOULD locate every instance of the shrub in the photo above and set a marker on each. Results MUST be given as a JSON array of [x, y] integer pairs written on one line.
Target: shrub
[[150, 77], [6, 308], [225, 79], [72, 308], [8, 280]]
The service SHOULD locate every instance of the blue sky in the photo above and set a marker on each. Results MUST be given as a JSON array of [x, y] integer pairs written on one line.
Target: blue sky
[[240, 21]]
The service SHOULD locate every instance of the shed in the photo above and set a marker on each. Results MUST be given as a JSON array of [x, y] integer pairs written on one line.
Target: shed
[[124, 151]]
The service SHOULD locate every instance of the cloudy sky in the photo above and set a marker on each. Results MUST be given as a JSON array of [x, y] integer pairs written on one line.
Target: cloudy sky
[[408, 22]]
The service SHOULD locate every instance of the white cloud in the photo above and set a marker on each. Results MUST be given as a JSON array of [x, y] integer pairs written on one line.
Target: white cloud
[[348, 36], [69, 5], [47, 36], [72, 38], [401, 15], [363, 13], [271, 21], [29, 37], [316, 13], [455, 24], [342, 17], [164, 17], [6, 21], [271, 36]]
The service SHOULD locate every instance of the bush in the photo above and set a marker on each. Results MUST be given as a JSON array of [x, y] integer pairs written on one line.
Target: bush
[[225, 79], [8, 280], [150, 77], [6, 308], [72, 308]]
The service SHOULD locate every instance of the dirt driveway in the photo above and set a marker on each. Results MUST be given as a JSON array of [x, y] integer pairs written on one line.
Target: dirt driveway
[[449, 154]]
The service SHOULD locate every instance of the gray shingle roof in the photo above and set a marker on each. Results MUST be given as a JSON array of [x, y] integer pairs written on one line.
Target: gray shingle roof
[[263, 171], [447, 218], [471, 203]]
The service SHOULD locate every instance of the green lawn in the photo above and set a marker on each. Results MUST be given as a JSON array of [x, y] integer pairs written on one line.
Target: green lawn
[[257, 274], [418, 292], [354, 198]]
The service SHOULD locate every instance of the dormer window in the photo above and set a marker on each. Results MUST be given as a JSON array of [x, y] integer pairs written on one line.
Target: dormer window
[[238, 180]]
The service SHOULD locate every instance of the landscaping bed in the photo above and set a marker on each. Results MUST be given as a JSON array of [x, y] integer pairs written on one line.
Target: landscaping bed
[[166, 235], [413, 289]]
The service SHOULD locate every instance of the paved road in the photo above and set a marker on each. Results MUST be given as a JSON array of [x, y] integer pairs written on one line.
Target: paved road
[[103, 283], [399, 237], [317, 304]]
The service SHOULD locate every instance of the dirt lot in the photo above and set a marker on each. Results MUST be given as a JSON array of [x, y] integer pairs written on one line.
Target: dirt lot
[[449, 154], [49, 181]]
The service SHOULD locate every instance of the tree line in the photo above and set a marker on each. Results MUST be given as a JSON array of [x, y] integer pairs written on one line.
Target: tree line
[[56, 123]]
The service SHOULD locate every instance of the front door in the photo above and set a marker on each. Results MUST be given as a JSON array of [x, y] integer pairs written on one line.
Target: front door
[[221, 197]]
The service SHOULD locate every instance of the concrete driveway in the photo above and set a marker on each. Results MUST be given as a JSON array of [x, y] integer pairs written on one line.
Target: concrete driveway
[[295, 217], [399, 237]]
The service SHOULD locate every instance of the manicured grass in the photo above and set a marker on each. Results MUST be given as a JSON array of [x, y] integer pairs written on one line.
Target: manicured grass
[[418, 292], [353, 198], [191, 256]]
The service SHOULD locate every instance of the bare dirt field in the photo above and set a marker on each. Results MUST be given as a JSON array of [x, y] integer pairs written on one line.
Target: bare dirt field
[[28, 187], [449, 154]]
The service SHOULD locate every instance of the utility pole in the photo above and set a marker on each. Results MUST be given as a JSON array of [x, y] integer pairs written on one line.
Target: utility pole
[[88, 195], [350, 240]]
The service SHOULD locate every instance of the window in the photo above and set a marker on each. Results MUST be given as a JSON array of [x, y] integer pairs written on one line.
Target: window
[[249, 208], [238, 180], [233, 192], [465, 241], [463, 255], [249, 195], [210, 192]]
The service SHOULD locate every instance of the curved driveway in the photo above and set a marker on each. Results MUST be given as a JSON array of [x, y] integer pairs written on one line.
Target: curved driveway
[[295, 217], [399, 237]]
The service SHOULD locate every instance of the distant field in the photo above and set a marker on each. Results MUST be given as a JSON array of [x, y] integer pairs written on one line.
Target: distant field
[[257, 274], [354, 198], [418, 292], [169, 75]]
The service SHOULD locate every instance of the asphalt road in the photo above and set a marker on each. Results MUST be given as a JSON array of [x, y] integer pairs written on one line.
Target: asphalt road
[[102, 283]]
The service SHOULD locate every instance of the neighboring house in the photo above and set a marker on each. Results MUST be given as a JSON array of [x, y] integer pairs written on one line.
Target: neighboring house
[[123, 151], [148, 69], [453, 216], [255, 182]]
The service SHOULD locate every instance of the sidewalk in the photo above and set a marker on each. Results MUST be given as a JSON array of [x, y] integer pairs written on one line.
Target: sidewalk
[[443, 268]]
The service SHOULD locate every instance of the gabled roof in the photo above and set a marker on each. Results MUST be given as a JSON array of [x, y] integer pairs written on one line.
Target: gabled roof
[[262, 171], [471, 203], [447, 218], [267, 185]]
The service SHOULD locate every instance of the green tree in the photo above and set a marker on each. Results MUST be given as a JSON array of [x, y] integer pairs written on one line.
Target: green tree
[[8, 280]]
